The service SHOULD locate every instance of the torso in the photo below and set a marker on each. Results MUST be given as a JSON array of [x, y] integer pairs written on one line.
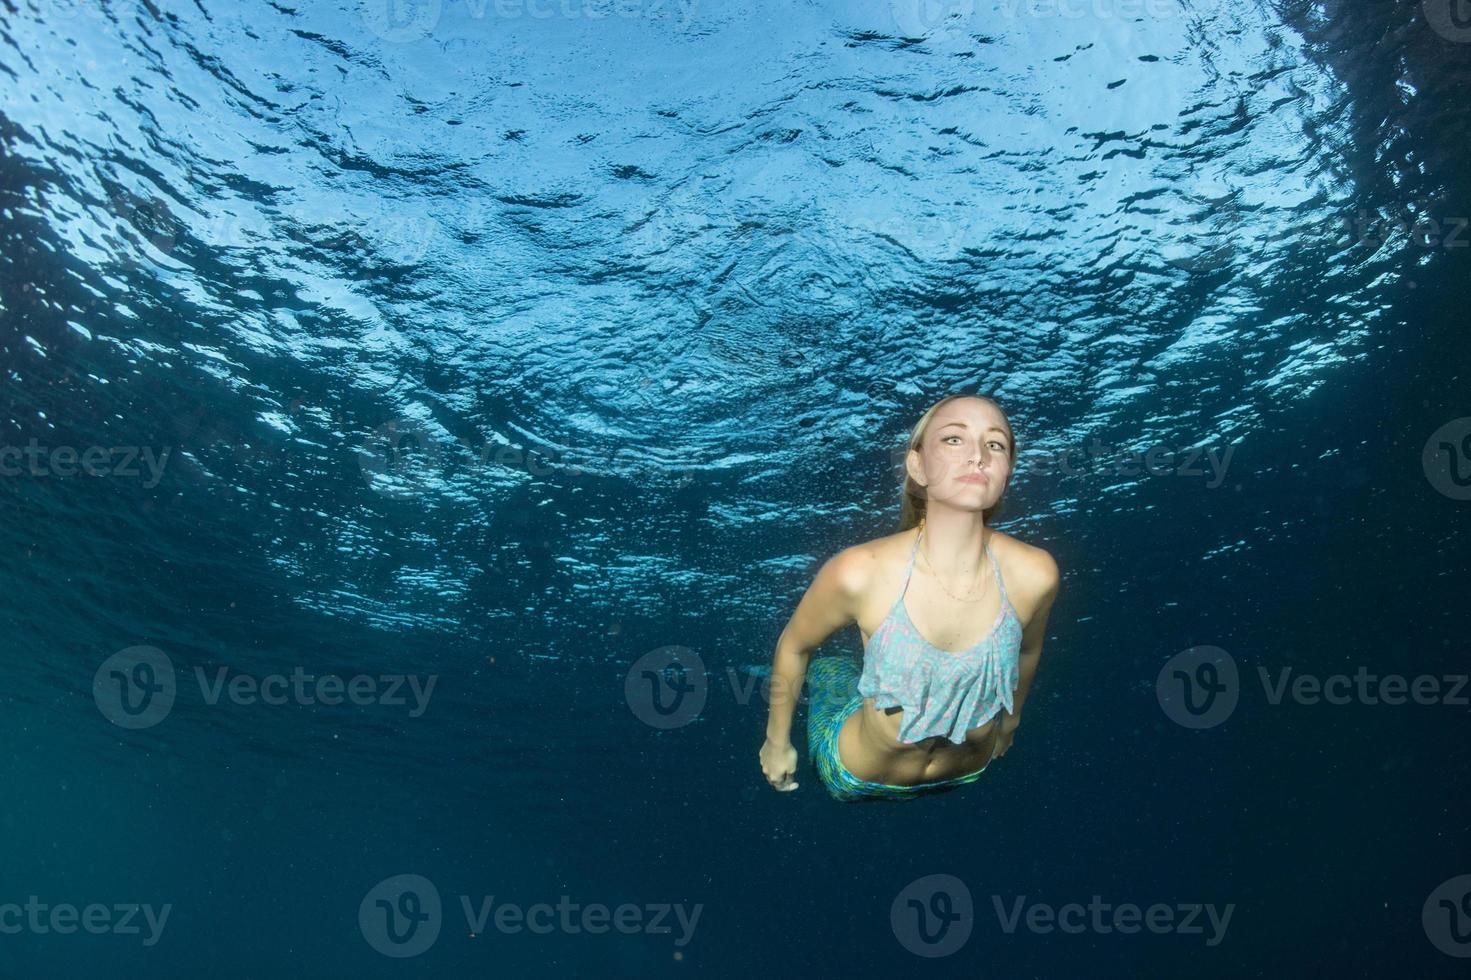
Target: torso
[[868, 742]]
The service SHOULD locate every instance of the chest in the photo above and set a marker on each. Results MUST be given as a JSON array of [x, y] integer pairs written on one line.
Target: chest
[[938, 621]]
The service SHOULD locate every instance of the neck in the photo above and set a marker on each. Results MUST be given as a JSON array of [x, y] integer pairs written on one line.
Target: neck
[[953, 540]]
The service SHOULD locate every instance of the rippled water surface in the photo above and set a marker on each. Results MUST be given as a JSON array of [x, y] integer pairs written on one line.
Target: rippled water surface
[[496, 346]]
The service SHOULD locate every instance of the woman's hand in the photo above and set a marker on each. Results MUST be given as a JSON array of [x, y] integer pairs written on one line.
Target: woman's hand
[[779, 763]]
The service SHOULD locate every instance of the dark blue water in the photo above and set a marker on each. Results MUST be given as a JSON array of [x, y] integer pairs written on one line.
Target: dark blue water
[[497, 348]]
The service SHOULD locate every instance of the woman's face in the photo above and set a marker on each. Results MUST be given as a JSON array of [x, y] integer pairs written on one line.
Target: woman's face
[[965, 460]]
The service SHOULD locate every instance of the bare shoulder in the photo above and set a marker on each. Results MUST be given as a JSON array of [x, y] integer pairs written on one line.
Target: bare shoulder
[[1032, 575], [839, 595], [861, 565], [855, 567], [871, 570]]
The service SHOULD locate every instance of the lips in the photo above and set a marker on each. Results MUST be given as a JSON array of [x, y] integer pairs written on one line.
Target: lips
[[973, 478]]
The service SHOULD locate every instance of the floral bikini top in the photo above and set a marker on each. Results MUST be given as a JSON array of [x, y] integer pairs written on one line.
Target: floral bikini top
[[942, 693]]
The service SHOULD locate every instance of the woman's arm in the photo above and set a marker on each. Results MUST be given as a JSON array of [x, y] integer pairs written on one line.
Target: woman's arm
[[830, 603], [1046, 577]]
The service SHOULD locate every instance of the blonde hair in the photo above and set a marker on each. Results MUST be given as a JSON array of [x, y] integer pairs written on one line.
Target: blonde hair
[[913, 497]]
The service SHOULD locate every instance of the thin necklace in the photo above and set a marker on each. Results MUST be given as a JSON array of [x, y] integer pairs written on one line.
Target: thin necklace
[[942, 581]]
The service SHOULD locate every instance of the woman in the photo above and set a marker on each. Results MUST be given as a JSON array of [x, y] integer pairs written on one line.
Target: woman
[[952, 615]]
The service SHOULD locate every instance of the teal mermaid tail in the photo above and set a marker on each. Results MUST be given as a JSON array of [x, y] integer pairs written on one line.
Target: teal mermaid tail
[[832, 685]]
